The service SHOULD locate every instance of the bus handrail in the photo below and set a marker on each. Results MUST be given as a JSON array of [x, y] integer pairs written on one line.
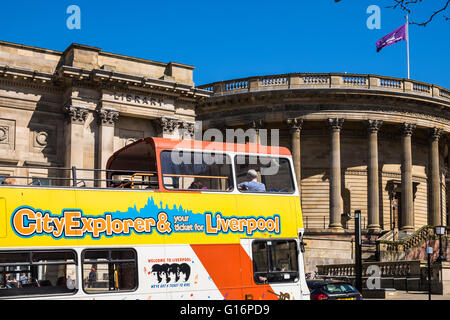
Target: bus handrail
[[194, 176]]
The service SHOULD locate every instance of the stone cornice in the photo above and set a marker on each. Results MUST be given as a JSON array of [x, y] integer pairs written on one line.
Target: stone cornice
[[100, 76]]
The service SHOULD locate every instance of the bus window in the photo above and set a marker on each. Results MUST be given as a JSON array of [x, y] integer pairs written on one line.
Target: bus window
[[275, 261], [109, 270], [134, 167], [186, 170], [40, 181], [2, 178], [263, 174], [25, 273]]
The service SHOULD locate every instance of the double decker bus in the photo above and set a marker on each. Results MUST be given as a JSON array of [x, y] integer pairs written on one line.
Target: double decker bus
[[171, 219]]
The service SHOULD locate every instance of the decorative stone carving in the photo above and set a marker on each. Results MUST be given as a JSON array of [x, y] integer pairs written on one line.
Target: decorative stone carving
[[76, 114], [41, 139], [169, 125], [43, 136], [335, 124], [435, 133], [407, 129], [294, 124], [373, 125], [107, 117], [7, 134], [165, 125], [4, 134], [256, 124], [129, 136], [187, 128]]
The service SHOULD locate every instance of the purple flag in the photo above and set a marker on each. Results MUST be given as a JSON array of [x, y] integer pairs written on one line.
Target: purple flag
[[393, 37]]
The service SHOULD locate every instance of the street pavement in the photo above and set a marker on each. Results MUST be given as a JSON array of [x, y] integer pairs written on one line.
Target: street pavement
[[414, 295]]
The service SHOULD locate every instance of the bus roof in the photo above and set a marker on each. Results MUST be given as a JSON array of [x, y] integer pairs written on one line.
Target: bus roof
[[160, 144]]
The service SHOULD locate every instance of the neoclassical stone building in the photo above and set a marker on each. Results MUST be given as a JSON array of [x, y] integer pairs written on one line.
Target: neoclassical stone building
[[359, 142], [75, 108]]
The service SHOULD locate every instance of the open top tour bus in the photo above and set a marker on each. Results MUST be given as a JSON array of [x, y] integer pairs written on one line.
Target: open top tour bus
[[167, 219]]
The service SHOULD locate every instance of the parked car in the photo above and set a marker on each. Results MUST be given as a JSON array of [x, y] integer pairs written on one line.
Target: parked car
[[332, 290]]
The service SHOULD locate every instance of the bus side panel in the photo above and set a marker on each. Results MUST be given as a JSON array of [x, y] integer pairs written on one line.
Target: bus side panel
[[222, 262], [192, 282], [42, 201], [2, 218], [231, 269]]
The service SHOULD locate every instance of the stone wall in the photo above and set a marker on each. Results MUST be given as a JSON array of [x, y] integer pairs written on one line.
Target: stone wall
[[75, 108]]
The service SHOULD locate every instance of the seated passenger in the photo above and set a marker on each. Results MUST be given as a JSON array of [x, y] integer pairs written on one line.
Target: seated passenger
[[9, 181], [252, 184], [197, 185]]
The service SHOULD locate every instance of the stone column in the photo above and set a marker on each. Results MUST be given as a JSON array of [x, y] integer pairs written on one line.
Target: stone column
[[373, 202], [434, 217], [106, 121], [73, 137], [295, 126], [335, 125], [407, 223]]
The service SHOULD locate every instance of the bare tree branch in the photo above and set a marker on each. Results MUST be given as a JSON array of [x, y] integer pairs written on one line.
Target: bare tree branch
[[405, 5], [423, 24]]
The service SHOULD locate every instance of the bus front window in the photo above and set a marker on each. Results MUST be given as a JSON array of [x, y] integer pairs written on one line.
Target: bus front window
[[275, 261]]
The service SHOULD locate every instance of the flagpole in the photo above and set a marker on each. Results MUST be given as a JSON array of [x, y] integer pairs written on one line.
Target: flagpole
[[407, 42]]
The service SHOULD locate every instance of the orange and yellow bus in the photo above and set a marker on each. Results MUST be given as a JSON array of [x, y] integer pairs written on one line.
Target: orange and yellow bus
[[172, 219]]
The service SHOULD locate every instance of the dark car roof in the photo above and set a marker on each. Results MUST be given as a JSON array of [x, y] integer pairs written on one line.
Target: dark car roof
[[318, 283]]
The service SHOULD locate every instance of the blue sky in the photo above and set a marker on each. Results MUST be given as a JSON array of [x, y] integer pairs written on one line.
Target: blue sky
[[233, 39]]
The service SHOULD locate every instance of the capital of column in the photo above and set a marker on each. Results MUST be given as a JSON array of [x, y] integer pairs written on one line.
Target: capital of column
[[76, 114], [407, 129], [435, 134], [107, 117], [187, 127], [168, 125], [256, 124], [335, 124], [373, 125], [294, 124]]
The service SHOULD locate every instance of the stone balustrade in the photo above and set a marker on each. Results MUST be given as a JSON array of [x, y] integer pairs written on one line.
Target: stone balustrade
[[326, 80], [400, 275], [387, 269]]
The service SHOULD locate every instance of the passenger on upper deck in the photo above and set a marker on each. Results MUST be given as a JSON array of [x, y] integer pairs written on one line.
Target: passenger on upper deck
[[197, 185], [252, 184]]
